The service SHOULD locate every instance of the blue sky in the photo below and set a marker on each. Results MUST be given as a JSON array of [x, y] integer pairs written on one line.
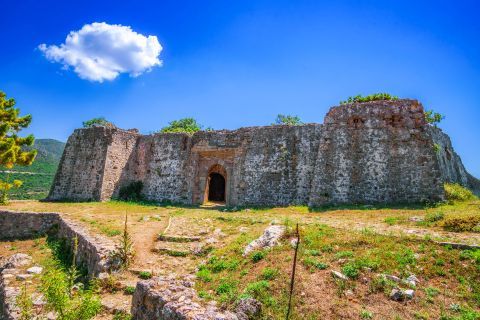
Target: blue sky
[[232, 64]]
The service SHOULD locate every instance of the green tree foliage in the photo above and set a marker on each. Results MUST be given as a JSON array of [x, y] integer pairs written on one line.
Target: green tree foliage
[[433, 117], [186, 125], [287, 120], [97, 122], [371, 97], [11, 151]]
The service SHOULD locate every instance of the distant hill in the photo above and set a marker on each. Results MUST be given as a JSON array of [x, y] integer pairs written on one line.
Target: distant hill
[[38, 177]]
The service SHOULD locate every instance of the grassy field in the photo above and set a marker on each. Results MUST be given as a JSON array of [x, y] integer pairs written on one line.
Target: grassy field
[[362, 242]]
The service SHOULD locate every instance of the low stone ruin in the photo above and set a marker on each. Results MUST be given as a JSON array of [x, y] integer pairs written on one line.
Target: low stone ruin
[[172, 299]]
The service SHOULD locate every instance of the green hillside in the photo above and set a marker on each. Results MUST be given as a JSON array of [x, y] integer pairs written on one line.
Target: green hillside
[[38, 177]]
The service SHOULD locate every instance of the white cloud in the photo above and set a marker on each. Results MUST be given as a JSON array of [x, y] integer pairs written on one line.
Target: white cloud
[[101, 51]]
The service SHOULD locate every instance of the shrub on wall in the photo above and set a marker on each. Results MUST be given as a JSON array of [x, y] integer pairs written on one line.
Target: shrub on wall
[[287, 120], [371, 97], [186, 125], [132, 191]]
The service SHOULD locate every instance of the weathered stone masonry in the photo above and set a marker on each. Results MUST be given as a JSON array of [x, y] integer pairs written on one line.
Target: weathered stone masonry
[[374, 152]]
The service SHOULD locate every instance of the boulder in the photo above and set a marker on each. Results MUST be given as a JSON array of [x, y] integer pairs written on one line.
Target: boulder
[[248, 309], [339, 275], [35, 270], [268, 239]]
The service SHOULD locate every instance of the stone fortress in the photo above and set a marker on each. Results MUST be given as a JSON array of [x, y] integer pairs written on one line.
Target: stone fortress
[[363, 153]]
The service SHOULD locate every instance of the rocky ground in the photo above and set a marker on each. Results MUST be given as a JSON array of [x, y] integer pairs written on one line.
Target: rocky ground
[[357, 262]]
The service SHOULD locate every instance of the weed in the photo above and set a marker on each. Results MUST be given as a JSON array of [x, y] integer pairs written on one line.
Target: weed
[[269, 273], [145, 275], [258, 290], [25, 304], [391, 221], [258, 255], [204, 275], [121, 315], [344, 254], [312, 263], [84, 305], [129, 290], [405, 257], [365, 314], [351, 270], [125, 253]]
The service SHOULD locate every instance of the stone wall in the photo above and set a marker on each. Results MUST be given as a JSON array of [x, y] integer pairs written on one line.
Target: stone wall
[[374, 152], [118, 154], [19, 225], [79, 176], [94, 252]]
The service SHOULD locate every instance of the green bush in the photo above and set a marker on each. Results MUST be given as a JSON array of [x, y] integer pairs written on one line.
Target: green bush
[[132, 191], [462, 224], [371, 97], [185, 125], [258, 255], [97, 122], [433, 117], [351, 270], [287, 120], [129, 290], [456, 192]]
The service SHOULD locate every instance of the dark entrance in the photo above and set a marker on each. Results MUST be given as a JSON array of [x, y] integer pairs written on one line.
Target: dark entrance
[[216, 187]]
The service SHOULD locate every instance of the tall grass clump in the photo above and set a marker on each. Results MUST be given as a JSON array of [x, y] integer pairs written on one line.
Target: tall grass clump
[[455, 192], [68, 299]]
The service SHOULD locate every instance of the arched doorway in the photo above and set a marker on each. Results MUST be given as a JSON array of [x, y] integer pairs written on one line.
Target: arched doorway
[[216, 186]]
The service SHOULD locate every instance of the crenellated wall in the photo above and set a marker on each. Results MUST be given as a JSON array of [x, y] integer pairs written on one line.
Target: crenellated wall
[[373, 152]]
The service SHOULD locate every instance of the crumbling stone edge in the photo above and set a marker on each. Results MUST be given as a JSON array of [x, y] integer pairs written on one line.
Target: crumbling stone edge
[[94, 252]]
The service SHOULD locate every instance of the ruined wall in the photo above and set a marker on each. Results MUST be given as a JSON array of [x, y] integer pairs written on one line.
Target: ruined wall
[[94, 252], [18, 225], [79, 176], [376, 152], [276, 165], [120, 147], [161, 161], [451, 166]]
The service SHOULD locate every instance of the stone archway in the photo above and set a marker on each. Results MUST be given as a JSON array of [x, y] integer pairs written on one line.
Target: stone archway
[[216, 186]]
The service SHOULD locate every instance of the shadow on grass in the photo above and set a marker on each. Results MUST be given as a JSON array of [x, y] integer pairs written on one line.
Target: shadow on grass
[[371, 207]]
